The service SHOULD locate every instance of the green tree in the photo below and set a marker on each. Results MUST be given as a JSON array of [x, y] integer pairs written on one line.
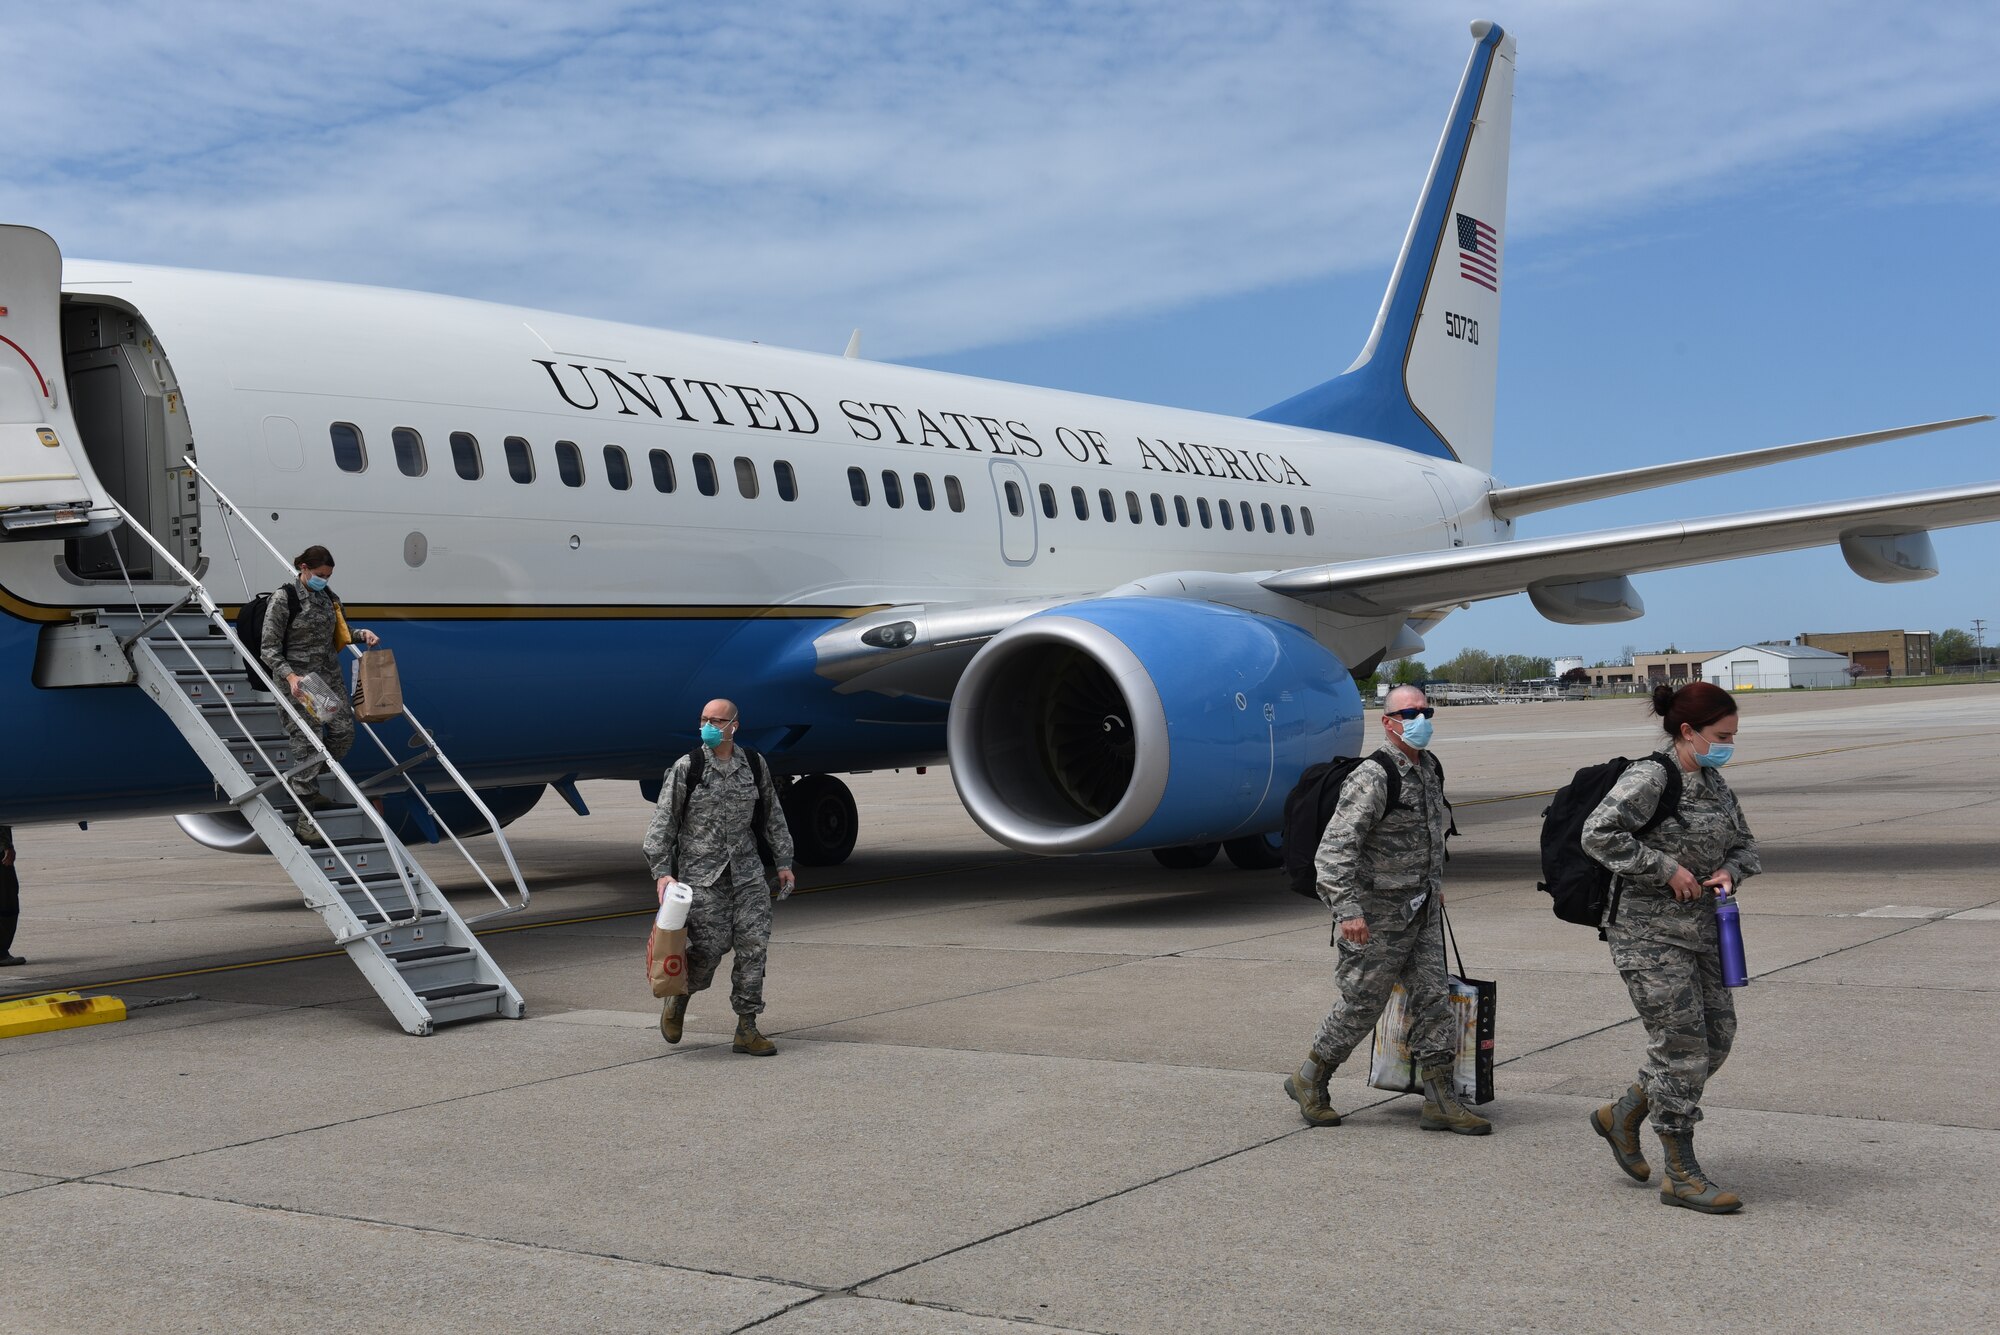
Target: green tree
[[1410, 671], [1522, 667], [1473, 667], [1949, 648]]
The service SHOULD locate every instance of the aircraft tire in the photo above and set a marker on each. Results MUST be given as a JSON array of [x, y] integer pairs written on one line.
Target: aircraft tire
[[1255, 852], [823, 819], [1186, 857]]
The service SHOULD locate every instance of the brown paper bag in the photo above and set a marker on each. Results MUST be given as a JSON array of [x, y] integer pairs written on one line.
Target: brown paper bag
[[378, 691], [666, 962]]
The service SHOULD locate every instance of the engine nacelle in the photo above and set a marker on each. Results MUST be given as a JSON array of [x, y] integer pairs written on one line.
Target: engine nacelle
[[1143, 722]]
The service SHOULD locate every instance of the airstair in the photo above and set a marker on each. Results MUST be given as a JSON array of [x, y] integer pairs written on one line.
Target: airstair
[[422, 958]]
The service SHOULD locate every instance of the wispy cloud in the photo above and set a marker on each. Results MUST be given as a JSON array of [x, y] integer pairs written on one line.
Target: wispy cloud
[[947, 176]]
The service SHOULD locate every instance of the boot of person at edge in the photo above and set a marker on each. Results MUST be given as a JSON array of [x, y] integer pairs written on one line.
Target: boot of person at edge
[[1443, 1111], [748, 1040], [1308, 1089], [672, 1013], [1619, 1124], [1686, 1185]]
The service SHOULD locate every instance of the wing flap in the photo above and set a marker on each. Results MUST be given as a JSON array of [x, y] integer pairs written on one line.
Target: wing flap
[[1427, 580]]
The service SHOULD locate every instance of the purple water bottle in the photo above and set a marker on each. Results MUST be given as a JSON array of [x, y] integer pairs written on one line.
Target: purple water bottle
[[1735, 971]]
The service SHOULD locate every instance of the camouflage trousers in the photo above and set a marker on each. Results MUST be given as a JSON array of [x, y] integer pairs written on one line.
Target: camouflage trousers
[[730, 916], [1690, 1020], [338, 731], [1412, 955]]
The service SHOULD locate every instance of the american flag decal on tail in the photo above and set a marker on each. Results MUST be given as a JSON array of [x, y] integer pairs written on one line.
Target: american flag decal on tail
[[1478, 253]]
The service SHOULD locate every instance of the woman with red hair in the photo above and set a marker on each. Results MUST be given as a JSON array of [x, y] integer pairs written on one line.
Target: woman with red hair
[[1660, 923]]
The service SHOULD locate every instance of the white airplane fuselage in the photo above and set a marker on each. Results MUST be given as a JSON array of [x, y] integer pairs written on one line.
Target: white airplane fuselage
[[567, 626]]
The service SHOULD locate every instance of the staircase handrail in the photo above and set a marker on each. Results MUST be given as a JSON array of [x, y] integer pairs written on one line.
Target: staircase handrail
[[230, 507], [254, 662]]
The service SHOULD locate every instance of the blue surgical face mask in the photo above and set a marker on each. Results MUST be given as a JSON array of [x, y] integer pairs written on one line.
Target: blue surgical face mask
[[1417, 732], [315, 583], [711, 734], [1716, 756]]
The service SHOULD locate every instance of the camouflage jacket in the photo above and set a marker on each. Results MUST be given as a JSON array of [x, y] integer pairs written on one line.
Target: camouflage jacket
[[1705, 834], [302, 643], [715, 838], [1379, 864]]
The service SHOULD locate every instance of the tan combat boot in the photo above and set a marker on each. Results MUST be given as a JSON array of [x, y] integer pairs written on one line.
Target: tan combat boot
[[1443, 1111], [748, 1040], [672, 1012], [1686, 1185], [1619, 1124], [1308, 1089]]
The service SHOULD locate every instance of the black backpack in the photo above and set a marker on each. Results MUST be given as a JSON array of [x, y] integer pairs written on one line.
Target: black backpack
[[250, 621], [1310, 804], [1577, 882], [697, 766]]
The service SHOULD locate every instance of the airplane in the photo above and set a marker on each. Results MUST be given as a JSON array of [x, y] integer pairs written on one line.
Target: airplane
[[1123, 626]]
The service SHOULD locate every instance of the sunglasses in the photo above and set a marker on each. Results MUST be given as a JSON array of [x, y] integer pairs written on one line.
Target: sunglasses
[[1414, 711]]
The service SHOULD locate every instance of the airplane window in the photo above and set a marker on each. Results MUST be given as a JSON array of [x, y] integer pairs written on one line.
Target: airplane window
[[1132, 507], [704, 475], [1048, 500], [926, 498], [1269, 525], [788, 481], [1201, 508], [1159, 509], [569, 463], [1228, 513], [465, 456], [1306, 518], [1081, 501], [663, 470], [348, 453], [857, 483], [746, 478], [1180, 510], [1286, 511], [409, 445], [617, 468], [1015, 505], [892, 489], [1106, 504], [954, 495], [520, 460], [1249, 520]]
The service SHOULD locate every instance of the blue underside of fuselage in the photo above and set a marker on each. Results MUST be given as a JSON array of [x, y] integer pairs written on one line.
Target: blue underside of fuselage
[[509, 701]]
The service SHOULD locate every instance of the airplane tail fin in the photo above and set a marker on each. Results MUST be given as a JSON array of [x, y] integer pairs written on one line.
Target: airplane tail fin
[[1425, 379]]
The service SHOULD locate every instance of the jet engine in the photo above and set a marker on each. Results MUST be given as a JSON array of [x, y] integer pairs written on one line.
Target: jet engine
[[1126, 723]]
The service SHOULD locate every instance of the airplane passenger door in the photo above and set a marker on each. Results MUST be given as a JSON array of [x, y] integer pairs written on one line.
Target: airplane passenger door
[[1445, 507], [1017, 512], [47, 489]]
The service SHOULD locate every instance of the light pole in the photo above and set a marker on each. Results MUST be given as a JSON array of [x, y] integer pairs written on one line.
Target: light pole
[[1979, 645]]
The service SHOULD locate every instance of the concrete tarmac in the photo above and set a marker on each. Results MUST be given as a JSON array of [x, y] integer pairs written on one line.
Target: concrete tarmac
[[1026, 1095]]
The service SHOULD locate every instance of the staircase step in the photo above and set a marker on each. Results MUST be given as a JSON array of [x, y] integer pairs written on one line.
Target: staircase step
[[427, 955]]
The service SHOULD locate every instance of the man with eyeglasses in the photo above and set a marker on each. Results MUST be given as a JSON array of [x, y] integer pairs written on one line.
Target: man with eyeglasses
[[716, 829], [1381, 870]]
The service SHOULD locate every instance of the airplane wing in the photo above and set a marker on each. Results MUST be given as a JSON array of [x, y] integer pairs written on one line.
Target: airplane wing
[[1428, 580]]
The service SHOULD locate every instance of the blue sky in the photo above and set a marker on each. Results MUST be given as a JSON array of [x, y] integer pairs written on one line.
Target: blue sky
[[1729, 226]]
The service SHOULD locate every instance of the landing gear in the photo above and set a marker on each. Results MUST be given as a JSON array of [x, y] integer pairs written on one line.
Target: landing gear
[[1186, 857], [1256, 852], [821, 815]]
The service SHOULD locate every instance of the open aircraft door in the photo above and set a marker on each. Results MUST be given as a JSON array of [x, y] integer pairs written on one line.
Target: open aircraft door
[[47, 489]]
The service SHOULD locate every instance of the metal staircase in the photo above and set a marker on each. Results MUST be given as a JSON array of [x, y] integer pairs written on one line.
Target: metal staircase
[[420, 956]]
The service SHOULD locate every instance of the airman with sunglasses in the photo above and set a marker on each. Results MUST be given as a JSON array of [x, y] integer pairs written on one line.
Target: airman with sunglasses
[[1381, 871]]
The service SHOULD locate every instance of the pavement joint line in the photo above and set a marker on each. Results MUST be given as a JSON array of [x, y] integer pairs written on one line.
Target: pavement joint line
[[923, 1303], [815, 1291]]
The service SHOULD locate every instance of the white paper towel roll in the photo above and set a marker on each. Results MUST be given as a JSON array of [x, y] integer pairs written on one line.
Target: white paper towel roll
[[674, 907]]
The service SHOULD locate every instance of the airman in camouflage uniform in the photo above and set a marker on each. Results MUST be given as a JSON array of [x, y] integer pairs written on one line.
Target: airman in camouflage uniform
[[712, 848], [1381, 871], [295, 644], [1660, 924]]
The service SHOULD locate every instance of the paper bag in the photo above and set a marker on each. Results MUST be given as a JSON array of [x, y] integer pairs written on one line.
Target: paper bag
[[378, 691], [666, 961]]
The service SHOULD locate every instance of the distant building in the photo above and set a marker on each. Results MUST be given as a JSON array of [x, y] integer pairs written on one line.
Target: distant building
[[1776, 667], [1879, 653], [1678, 666]]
